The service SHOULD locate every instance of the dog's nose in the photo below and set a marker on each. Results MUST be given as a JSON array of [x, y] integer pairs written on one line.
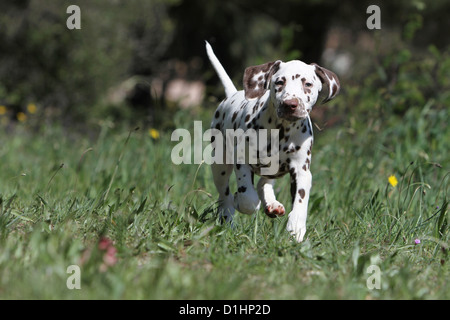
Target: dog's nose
[[291, 103]]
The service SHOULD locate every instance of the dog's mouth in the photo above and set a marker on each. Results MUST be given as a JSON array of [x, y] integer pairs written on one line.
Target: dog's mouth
[[292, 110]]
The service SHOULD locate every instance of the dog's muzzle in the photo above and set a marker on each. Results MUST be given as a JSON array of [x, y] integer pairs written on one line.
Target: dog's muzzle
[[292, 110]]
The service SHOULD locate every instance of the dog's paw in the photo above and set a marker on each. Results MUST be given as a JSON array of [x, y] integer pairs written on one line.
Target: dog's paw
[[246, 203], [226, 214], [296, 230], [274, 209]]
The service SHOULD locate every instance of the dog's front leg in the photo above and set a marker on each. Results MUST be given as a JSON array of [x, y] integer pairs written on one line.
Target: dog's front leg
[[245, 199], [301, 180], [272, 207]]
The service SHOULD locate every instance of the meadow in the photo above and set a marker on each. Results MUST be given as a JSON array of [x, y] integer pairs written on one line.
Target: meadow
[[111, 202]]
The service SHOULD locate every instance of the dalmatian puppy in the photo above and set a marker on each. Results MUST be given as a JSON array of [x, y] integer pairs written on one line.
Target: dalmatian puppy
[[277, 96]]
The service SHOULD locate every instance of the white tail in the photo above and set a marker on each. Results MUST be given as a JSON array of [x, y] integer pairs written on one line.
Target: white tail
[[230, 89]]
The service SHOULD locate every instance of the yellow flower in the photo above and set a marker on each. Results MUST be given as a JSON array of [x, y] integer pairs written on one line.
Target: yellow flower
[[2, 110], [153, 133], [31, 107], [393, 180], [22, 117]]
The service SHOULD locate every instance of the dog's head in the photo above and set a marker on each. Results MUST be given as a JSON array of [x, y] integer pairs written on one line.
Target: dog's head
[[295, 86]]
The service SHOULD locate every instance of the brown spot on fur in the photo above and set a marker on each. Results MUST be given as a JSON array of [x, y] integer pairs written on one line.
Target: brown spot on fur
[[302, 193], [334, 88], [234, 116], [254, 89]]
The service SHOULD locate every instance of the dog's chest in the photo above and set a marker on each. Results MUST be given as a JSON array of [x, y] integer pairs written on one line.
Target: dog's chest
[[293, 146], [289, 142]]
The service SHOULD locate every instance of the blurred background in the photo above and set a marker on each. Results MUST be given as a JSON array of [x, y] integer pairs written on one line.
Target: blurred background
[[74, 171], [144, 62]]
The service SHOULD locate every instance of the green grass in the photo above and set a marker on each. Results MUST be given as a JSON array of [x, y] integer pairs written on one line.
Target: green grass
[[61, 191]]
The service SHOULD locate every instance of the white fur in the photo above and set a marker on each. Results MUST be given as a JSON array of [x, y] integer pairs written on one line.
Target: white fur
[[230, 89]]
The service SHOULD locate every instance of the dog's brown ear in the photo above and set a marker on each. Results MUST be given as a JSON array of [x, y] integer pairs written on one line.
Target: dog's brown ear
[[257, 79], [329, 79]]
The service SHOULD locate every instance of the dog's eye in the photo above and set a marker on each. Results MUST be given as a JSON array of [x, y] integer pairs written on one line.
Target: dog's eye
[[308, 84], [279, 82]]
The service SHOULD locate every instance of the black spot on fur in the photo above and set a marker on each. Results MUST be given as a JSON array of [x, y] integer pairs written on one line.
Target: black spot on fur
[[281, 136], [293, 189], [242, 189]]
